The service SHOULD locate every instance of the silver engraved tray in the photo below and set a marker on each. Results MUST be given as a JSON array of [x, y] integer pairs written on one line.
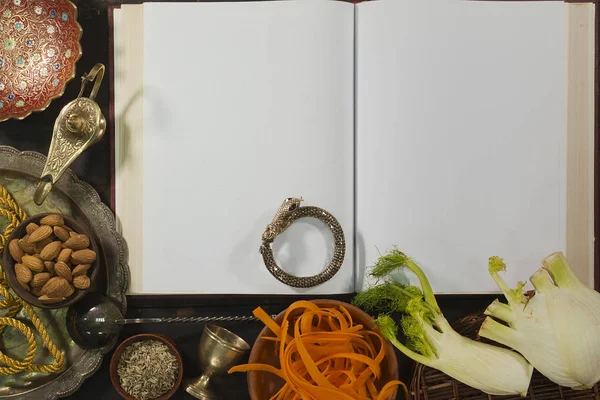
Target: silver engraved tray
[[19, 173]]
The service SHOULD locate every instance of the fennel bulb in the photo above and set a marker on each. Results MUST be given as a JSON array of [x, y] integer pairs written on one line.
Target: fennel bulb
[[557, 330], [430, 338]]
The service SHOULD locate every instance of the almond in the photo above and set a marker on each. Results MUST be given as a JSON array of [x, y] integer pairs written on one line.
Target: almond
[[81, 269], [39, 246], [33, 263], [61, 233], [57, 287], [73, 233], [51, 251], [26, 246], [36, 291], [15, 250], [31, 227], [64, 256], [86, 256], [49, 300], [67, 228], [40, 280], [41, 233], [25, 286], [63, 270], [23, 273], [81, 282], [49, 266], [52, 220], [77, 242]]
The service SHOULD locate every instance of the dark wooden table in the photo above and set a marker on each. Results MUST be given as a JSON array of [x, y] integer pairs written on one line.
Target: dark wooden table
[[34, 133]]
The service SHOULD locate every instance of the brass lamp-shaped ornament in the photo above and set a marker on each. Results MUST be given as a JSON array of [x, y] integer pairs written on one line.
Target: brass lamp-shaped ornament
[[79, 125]]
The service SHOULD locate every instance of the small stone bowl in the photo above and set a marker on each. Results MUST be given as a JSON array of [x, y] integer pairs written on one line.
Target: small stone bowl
[[114, 363]]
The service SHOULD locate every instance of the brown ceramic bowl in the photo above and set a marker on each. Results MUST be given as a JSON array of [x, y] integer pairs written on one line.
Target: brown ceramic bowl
[[114, 363], [263, 385], [9, 263]]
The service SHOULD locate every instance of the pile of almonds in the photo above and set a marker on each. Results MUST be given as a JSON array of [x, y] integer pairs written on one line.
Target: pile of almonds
[[52, 260]]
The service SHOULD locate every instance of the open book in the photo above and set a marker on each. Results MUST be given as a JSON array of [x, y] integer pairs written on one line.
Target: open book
[[455, 130]]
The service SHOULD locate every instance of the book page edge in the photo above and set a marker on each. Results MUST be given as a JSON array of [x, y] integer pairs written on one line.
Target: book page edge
[[580, 139], [128, 130]]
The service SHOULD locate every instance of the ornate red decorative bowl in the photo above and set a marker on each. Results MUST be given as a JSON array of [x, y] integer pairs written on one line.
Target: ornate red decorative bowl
[[39, 47]]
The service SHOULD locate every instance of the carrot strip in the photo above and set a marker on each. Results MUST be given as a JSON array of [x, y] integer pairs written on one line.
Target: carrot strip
[[282, 350], [267, 320], [272, 339], [343, 309], [364, 376], [310, 363], [298, 305], [280, 395], [340, 317], [363, 359], [372, 389], [388, 389], [307, 322], [257, 367]]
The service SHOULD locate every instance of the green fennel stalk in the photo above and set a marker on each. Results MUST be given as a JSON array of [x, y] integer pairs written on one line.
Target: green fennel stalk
[[430, 340]]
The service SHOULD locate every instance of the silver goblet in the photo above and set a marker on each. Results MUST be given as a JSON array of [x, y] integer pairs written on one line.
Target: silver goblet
[[219, 350]]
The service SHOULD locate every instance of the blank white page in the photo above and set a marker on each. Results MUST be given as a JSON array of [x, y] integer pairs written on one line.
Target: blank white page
[[461, 136], [245, 104]]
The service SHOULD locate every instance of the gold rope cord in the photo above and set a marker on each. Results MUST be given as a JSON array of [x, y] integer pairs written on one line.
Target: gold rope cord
[[14, 214]]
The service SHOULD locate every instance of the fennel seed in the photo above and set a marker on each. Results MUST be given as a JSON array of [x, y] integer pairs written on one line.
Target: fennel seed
[[147, 369]]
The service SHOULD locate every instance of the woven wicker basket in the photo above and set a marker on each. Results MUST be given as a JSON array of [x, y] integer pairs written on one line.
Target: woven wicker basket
[[430, 384]]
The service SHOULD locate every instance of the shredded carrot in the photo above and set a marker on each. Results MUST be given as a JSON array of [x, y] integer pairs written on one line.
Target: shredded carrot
[[323, 354]]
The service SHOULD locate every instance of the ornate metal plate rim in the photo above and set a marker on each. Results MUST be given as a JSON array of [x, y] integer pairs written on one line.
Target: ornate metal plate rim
[[70, 380]]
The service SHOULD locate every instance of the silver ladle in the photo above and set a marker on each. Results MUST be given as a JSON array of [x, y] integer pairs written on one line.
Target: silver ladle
[[95, 321]]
